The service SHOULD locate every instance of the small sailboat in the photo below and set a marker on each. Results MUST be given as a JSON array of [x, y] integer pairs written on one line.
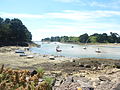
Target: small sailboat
[[72, 47], [84, 48], [97, 50], [58, 50]]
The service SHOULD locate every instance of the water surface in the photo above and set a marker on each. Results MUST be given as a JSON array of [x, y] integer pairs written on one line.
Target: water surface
[[73, 50]]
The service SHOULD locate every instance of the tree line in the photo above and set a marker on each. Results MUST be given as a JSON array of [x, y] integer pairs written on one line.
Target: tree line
[[85, 38], [13, 32]]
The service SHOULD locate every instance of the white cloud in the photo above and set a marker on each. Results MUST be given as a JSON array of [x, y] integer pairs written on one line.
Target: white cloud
[[66, 14], [16, 15], [114, 4], [75, 29], [56, 24], [82, 15], [67, 1]]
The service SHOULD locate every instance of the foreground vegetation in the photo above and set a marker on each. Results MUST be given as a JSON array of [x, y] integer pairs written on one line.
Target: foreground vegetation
[[13, 32], [23, 79], [85, 38]]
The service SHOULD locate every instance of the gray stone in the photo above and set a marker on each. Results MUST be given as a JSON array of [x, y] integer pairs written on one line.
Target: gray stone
[[87, 88], [104, 78], [117, 65], [58, 82], [116, 87], [69, 79], [87, 66]]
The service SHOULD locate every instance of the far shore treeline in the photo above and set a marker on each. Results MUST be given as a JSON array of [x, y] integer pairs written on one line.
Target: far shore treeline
[[85, 38], [13, 32]]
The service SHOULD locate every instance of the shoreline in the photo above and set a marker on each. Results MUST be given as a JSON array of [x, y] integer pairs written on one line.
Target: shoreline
[[100, 74], [8, 52], [100, 44]]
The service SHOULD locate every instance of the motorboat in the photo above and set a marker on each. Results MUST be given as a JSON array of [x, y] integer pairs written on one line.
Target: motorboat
[[19, 51], [84, 48], [98, 50], [58, 50]]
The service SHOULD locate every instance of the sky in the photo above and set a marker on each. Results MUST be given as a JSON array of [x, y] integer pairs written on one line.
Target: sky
[[46, 18]]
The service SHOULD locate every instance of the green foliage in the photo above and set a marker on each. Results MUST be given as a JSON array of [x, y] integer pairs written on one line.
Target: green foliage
[[40, 70], [48, 80], [13, 32], [85, 38], [93, 39]]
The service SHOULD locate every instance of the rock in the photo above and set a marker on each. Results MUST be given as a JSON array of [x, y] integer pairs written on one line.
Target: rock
[[53, 82], [33, 73], [84, 84], [69, 79], [116, 87], [40, 80], [87, 66], [26, 48], [56, 73], [104, 85], [96, 83], [117, 65], [78, 78], [58, 82], [81, 65], [87, 88], [69, 86], [104, 78], [72, 60], [74, 86]]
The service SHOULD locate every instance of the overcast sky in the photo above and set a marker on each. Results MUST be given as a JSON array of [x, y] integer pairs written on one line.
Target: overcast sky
[[46, 18]]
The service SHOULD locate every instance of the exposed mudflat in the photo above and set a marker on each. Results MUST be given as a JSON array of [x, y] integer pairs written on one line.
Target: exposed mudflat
[[100, 74]]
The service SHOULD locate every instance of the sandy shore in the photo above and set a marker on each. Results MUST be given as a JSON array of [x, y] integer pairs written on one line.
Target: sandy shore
[[14, 60], [97, 71]]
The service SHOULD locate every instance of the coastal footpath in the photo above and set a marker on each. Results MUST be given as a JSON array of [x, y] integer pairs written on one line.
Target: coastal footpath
[[68, 73]]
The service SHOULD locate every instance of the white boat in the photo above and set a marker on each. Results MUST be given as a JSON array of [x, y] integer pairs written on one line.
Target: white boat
[[30, 56], [84, 48], [19, 51], [98, 50]]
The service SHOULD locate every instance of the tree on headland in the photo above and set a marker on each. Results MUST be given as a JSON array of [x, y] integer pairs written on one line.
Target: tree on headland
[[85, 38], [13, 32]]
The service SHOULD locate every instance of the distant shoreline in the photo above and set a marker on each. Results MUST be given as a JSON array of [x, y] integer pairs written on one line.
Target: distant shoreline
[[101, 44]]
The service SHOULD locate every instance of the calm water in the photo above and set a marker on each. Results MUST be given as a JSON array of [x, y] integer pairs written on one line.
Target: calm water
[[108, 52]]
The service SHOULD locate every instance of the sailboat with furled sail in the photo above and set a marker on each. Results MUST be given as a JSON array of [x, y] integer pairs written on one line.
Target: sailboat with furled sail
[[57, 49]]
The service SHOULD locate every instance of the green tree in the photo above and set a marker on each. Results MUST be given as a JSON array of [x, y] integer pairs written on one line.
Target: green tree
[[83, 38], [13, 31]]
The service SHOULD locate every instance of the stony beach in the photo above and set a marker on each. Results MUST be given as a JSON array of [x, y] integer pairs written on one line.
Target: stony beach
[[69, 73]]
